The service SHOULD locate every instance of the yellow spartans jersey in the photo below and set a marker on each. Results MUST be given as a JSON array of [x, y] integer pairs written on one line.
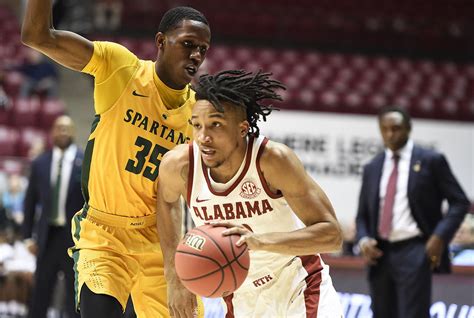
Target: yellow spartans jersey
[[131, 132]]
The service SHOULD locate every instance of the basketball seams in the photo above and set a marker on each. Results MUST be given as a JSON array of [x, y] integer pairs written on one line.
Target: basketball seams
[[220, 268], [215, 243], [230, 263], [223, 254], [214, 286], [237, 257]]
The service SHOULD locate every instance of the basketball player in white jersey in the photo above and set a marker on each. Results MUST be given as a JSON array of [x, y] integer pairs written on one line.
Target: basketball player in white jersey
[[257, 188]]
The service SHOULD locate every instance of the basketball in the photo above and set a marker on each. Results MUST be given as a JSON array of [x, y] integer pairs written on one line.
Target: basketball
[[210, 264]]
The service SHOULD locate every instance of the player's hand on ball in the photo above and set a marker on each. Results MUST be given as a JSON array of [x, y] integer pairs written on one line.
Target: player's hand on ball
[[181, 302], [209, 263], [246, 235]]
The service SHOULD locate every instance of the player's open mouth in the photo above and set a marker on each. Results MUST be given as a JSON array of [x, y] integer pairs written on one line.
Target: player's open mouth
[[207, 152], [192, 70]]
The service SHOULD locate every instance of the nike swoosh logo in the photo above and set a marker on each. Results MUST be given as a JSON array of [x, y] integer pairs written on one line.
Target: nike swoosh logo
[[134, 93], [203, 200]]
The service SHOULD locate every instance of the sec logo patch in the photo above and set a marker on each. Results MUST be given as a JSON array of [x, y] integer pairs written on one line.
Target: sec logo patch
[[249, 190]]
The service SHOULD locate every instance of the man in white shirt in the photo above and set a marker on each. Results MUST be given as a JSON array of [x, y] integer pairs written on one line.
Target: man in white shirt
[[55, 188], [401, 229]]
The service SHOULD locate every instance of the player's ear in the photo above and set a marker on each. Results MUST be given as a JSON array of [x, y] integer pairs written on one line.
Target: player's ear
[[160, 40], [244, 128]]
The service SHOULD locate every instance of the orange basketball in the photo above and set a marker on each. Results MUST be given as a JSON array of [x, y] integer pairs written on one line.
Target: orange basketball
[[210, 264]]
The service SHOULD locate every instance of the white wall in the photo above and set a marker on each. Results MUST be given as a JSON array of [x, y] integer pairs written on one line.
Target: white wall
[[334, 147]]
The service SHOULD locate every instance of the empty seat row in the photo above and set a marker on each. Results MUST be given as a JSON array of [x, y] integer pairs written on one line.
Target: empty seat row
[[19, 142], [375, 24], [348, 82], [32, 112]]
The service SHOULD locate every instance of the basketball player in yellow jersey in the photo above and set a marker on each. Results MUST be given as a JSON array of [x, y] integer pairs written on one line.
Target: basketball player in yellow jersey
[[142, 111]]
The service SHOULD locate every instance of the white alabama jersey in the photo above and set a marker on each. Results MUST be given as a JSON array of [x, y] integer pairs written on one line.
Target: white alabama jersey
[[246, 199]]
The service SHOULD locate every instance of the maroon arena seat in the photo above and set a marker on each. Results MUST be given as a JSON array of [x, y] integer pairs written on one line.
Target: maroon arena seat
[[27, 137], [51, 108], [25, 111], [8, 141]]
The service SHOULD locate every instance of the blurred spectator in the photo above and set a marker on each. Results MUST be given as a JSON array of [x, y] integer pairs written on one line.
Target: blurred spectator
[[108, 14], [402, 232], [4, 100], [12, 199], [40, 76], [14, 254], [37, 147], [55, 187], [3, 218], [462, 246], [3, 182], [16, 271]]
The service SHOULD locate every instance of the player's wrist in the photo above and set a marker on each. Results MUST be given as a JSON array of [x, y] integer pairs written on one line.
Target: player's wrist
[[171, 276], [259, 241]]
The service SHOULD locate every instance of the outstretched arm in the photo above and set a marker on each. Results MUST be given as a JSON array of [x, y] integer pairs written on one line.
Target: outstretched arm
[[66, 48], [171, 186], [322, 233]]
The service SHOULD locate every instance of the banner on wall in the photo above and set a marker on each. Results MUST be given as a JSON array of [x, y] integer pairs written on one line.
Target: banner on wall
[[334, 148], [358, 306]]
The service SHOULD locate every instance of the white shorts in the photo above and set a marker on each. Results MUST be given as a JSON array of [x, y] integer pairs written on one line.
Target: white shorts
[[303, 288]]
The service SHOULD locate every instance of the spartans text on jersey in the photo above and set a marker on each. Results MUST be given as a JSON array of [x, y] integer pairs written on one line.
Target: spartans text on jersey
[[143, 122]]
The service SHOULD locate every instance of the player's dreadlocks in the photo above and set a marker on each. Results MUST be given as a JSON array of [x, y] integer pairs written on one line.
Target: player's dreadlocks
[[243, 89]]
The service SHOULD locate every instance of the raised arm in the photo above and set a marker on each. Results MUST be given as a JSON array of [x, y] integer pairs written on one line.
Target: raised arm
[[171, 186], [66, 48]]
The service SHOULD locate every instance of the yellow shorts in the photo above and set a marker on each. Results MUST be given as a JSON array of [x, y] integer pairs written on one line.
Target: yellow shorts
[[120, 256]]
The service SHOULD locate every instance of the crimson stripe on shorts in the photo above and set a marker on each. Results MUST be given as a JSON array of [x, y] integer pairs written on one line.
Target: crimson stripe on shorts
[[230, 306], [312, 293], [190, 173]]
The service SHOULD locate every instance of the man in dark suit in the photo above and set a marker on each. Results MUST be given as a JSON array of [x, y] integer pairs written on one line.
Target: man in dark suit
[[401, 230], [54, 190]]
